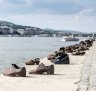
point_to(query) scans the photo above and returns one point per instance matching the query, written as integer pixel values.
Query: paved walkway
(88, 79)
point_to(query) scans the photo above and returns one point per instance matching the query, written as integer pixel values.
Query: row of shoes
(82, 47)
(61, 56)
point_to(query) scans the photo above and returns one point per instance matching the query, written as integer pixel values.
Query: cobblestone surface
(88, 78)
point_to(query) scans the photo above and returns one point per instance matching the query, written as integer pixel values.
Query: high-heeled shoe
(42, 69)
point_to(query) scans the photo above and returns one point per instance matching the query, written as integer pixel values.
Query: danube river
(20, 49)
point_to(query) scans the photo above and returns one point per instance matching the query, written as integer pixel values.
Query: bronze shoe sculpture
(32, 62)
(63, 58)
(68, 49)
(42, 69)
(15, 72)
(77, 52)
(52, 55)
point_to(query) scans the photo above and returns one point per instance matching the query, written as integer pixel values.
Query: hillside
(44, 31)
(14, 26)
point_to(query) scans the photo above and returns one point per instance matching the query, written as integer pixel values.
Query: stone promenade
(88, 78)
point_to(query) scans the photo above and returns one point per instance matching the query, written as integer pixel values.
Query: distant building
(28, 31)
(6, 29)
(37, 31)
(33, 31)
(44, 35)
(21, 31)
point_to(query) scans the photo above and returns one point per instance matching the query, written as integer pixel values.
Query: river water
(20, 49)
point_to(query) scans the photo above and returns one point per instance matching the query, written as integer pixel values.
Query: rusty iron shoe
(42, 69)
(32, 62)
(78, 53)
(15, 72)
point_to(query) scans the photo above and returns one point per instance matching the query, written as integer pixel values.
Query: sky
(78, 15)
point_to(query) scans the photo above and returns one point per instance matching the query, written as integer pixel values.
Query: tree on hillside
(15, 32)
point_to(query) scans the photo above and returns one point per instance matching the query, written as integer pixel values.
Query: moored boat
(69, 39)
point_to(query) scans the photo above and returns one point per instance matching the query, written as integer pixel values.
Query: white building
(21, 31)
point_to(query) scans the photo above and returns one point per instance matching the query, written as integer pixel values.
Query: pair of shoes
(32, 62)
(42, 69)
(62, 59)
(15, 71)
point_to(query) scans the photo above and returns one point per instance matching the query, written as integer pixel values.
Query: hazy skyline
(79, 15)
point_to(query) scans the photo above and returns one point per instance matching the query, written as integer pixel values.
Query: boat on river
(69, 38)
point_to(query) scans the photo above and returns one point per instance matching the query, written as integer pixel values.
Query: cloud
(43, 6)
(60, 22)
(46, 6)
(14, 1)
(59, 14)
(88, 12)
(59, 7)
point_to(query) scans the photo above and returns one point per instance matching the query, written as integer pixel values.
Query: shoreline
(65, 78)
